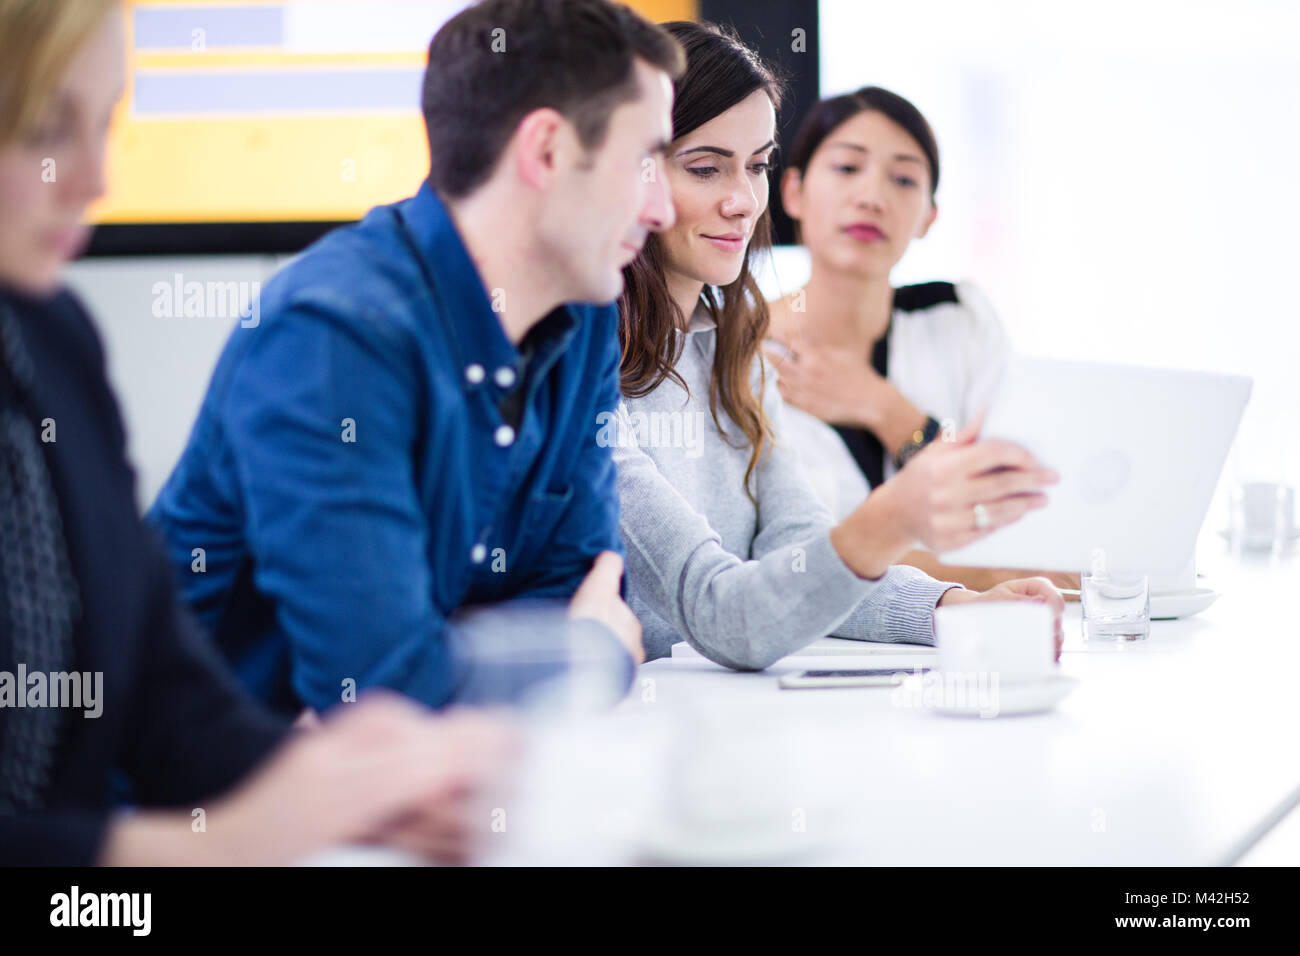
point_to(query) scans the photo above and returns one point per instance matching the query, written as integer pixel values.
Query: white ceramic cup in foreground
(1014, 639)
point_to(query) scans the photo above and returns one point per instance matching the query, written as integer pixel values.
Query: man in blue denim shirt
(410, 430)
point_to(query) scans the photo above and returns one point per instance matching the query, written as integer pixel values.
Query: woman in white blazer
(876, 372)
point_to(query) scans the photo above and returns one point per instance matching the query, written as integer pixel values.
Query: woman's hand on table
(1039, 590)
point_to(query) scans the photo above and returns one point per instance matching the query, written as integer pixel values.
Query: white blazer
(946, 351)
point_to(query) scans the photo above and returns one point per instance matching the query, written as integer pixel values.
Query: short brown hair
(499, 60)
(38, 39)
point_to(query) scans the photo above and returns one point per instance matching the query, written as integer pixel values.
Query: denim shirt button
(505, 376)
(504, 435)
(474, 373)
(478, 553)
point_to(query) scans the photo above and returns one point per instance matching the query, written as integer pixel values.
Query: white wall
(159, 366)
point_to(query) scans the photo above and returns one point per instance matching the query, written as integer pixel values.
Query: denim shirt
(350, 483)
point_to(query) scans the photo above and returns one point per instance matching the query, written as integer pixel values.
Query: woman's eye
(759, 168)
(43, 136)
(905, 181)
(846, 170)
(53, 132)
(703, 172)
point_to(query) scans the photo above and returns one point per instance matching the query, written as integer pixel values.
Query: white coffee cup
(1264, 512)
(1016, 640)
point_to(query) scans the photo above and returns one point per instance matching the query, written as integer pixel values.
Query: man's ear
(934, 214)
(792, 193)
(537, 146)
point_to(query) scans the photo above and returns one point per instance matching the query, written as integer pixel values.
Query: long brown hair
(720, 72)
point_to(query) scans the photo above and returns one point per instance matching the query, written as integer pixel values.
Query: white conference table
(1177, 750)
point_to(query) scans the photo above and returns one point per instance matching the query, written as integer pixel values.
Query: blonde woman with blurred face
(728, 547)
(86, 594)
(884, 367)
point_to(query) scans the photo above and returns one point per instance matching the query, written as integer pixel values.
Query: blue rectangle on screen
(222, 27)
(277, 91)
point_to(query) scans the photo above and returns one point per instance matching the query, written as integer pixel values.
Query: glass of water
(1116, 607)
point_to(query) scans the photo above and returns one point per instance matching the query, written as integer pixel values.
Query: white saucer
(1181, 603)
(1029, 697)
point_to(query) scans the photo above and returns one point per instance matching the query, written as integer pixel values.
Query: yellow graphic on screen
(306, 110)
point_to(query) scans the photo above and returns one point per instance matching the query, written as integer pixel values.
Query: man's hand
(597, 598)
(445, 828)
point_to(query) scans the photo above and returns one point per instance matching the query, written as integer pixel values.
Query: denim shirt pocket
(542, 513)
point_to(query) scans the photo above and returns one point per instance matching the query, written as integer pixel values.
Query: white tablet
(1139, 451)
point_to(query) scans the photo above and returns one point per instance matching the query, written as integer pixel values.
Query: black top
(173, 723)
(862, 443)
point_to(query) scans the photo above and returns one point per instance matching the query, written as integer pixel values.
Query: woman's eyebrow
(725, 153)
(904, 157)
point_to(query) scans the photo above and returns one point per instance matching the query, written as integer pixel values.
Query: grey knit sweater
(745, 585)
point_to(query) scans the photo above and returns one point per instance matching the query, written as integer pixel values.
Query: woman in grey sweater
(728, 547)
